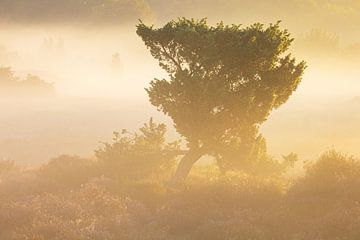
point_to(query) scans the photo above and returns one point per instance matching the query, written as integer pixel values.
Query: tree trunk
(185, 165)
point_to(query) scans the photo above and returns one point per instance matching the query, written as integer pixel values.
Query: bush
(228, 207)
(89, 213)
(67, 172)
(326, 200)
(332, 178)
(140, 155)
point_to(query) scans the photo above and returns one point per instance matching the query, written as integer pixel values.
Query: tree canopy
(224, 81)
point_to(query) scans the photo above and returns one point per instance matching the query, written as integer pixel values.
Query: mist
(119, 119)
(101, 68)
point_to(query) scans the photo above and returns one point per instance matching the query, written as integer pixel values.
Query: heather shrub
(67, 172)
(89, 213)
(208, 209)
(268, 166)
(332, 178)
(80, 199)
(325, 202)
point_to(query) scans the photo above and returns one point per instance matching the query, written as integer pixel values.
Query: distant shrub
(7, 166)
(325, 202)
(333, 177)
(67, 172)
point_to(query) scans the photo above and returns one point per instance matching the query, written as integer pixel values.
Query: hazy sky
(84, 66)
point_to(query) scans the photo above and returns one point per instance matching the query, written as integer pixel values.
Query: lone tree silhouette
(224, 81)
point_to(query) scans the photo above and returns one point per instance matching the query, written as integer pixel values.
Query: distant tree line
(31, 85)
(73, 10)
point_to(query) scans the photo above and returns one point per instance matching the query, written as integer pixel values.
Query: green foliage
(223, 81)
(139, 155)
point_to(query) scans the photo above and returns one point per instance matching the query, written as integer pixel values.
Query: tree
(7, 76)
(224, 81)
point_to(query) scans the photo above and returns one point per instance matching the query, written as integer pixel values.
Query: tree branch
(171, 58)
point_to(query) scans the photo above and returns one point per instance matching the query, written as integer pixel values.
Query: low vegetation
(123, 194)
